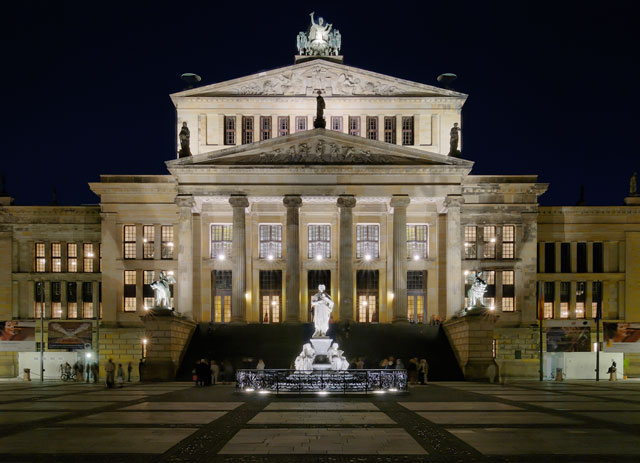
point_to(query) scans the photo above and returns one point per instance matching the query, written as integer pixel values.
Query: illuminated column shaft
(185, 255)
(454, 256)
(345, 257)
(399, 204)
(238, 249)
(293, 203)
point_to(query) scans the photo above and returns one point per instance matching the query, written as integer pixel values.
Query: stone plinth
(471, 338)
(167, 338)
(321, 346)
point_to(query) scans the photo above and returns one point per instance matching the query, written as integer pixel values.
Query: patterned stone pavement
(440, 422)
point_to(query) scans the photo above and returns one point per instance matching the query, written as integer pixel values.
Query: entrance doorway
(416, 296)
(221, 295)
(367, 295)
(270, 296)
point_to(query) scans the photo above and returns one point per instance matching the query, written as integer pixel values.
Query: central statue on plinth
(322, 306)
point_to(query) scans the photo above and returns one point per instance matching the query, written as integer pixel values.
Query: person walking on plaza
(412, 370)
(129, 368)
(423, 370)
(215, 372)
(120, 375)
(88, 371)
(110, 370)
(95, 371)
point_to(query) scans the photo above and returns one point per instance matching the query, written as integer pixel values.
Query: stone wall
(167, 340)
(471, 338)
(8, 364)
(517, 351)
(123, 345)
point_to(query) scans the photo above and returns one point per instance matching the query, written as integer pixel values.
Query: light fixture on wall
(466, 272)
(319, 257)
(222, 257)
(416, 257)
(367, 257)
(270, 257)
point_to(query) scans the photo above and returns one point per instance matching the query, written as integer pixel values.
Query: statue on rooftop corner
(633, 185)
(477, 290)
(320, 122)
(184, 136)
(322, 305)
(162, 290)
(320, 40)
(455, 139)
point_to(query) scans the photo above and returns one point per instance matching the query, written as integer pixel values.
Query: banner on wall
(569, 338)
(17, 336)
(621, 337)
(70, 335)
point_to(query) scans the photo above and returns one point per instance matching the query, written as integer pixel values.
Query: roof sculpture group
(320, 40)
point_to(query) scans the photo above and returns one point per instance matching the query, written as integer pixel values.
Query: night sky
(552, 87)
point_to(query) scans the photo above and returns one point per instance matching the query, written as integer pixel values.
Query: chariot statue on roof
(320, 40)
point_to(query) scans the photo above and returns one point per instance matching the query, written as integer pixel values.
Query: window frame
(128, 244)
(390, 130)
(340, 126)
(318, 241)
(361, 243)
(300, 126)
(411, 252)
(282, 132)
(275, 245)
(148, 242)
(248, 130)
(40, 257)
(167, 245)
(229, 130)
(408, 135)
(225, 244)
(354, 126)
(266, 127)
(372, 127)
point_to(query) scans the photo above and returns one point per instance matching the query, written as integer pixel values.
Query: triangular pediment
(335, 79)
(319, 147)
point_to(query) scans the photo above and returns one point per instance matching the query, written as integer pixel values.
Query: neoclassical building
(262, 208)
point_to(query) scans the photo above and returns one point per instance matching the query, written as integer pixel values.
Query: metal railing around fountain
(324, 382)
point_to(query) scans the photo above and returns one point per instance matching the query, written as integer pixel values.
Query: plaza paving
(461, 422)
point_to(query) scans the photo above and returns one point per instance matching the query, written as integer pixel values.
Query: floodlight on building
(222, 257)
(273, 303)
(364, 303)
(170, 244)
(145, 341)
(270, 257)
(391, 295)
(493, 240)
(319, 257)
(367, 257)
(88, 355)
(466, 272)
(416, 257)
(466, 245)
(492, 308)
(144, 240)
(145, 307)
(170, 272)
(247, 295)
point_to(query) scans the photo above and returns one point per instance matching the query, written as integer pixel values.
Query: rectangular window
(72, 300)
(72, 310)
(367, 241)
(565, 257)
(301, 123)
(336, 123)
(221, 240)
(319, 242)
(56, 257)
(598, 258)
(581, 297)
(507, 277)
(508, 291)
(390, 129)
(416, 296)
(407, 130)
(40, 261)
(270, 241)
(372, 128)
(265, 127)
(56, 310)
(148, 241)
(129, 241)
(549, 257)
(417, 242)
(270, 295)
(56, 298)
(88, 256)
(247, 130)
(564, 310)
(581, 250)
(222, 285)
(166, 232)
(508, 241)
(489, 242)
(596, 298)
(148, 300)
(72, 257)
(508, 304)
(283, 126)
(130, 278)
(367, 295)
(87, 299)
(229, 130)
(549, 295)
(470, 242)
(489, 276)
(354, 125)
(579, 309)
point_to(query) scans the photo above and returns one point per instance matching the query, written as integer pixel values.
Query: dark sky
(553, 86)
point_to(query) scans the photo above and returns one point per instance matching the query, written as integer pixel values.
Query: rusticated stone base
(471, 338)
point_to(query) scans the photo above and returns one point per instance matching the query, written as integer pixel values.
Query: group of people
(115, 376)
(418, 371)
(206, 373)
(87, 372)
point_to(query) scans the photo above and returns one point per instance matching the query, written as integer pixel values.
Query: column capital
(400, 201)
(453, 201)
(239, 201)
(346, 201)
(185, 201)
(292, 201)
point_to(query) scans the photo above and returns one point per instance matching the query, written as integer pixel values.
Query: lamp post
(598, 317)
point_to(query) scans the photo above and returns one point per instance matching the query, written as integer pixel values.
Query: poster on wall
(568, 339)
(621, 337)
(70, 335)
(17, 336)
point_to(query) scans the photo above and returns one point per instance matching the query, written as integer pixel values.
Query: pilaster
(346, 203)
(239, 203)
(185, 255)
(399, 204)
(454, 256)
(293, 203)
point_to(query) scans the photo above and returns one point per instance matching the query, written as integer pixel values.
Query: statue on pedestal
(455, 139)
(477, 290)
(338, 361)
(184, 136)
(304, 361)
(322, 306)
(162, 290)
(320, 122)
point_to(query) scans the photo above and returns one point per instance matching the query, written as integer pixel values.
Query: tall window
(270, 295)
(87, 257)
(372, 128)
(319, 242)
(283, 126)
(354, 125)
(367, 241)
(39, 298)
(87, 299)
(598, 258)
(40, 262)
(336, 123)
(265, 127)
(390, 129)
(56, 299)
(166, 232)
(470, 242)
(222, 296)
(270, 241)
(407, 130)
(56, 257)
(596, 298)
(565, 288)
(417, 241)
(221, 240)
(581, 257)
(301, 123)
(129, 241)
(130, 290)
(549, 257)
(148, 300)
(247, 129)
(549, 294)
(508, 241)
(508, 291)
(367, 295)
(489, 238)
(416, 296)
(565, 257)
(229, 130)
(72, 300)
(148, 241)
(581, 297)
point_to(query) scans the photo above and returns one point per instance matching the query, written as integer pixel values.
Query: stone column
(239, 203)
(293, 203)
(399, 204)
(111, 275)
(454, 256)
(185, 255)
(346, 203)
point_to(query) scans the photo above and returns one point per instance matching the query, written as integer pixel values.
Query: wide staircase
(278, 345)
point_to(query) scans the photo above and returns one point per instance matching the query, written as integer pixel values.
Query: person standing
(412, 370)
(423, 370)
(120, 375)
(129, 368)
(88, 371)
(260, 365)
(215, 371)
(110, 370)
(95, 371)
